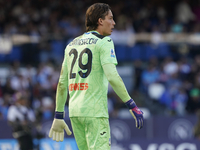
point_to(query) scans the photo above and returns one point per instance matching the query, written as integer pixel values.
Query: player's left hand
(57, 130)
(136, 113)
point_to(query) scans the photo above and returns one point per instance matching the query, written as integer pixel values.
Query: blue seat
(150, 51)
(16, 54)
(163, 50)
(57, 49)
(135, 52)
(3, 57)
(120, 51)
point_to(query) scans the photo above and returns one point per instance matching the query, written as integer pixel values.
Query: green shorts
(91, 133)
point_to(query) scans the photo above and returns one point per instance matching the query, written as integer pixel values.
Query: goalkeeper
(89, 63)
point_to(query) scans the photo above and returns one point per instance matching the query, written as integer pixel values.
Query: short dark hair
(93, 13)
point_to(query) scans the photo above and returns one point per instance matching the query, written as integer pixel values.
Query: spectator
(184, 12)
(150, 75)
(193, 104)
(5, 102)
(21, 119)
(170, 67)
(180, 102)
(177, 26)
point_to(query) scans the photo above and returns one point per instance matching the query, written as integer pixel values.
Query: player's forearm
(116, 82)
(61, 94)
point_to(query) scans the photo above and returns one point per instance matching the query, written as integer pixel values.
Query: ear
(100, 21)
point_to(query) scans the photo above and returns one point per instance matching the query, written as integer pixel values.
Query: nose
(113, 22)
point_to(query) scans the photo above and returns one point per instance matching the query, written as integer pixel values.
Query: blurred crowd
(166, 87)
(64, 19)
(37, 85)
(174, 84)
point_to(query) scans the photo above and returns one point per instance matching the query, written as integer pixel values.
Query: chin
(108, 33)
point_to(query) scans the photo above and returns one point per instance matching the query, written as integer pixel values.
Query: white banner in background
(5, 44)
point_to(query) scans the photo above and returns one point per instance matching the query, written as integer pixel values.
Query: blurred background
(157, 44)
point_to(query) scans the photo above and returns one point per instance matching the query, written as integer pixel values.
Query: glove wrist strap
(59, 115)
(130, 104)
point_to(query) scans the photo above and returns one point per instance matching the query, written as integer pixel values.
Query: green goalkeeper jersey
(87, 83)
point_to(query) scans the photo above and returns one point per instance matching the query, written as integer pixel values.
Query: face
(22, 102)
(108, 24)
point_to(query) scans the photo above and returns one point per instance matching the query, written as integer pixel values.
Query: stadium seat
(135, 52)
(163, 50)
(16, 54)
(120, 51)
(150, 51)
(57, 50)
(2, 57)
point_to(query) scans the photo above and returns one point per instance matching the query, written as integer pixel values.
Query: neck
(99, 31)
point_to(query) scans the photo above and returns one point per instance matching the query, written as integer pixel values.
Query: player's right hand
(57, 130)
(136, 113)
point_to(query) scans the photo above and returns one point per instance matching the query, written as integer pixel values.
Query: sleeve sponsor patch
(112, 53)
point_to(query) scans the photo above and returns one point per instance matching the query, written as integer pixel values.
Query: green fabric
(116, 81)
(83, 74)
(91, 133)
(61, 94)
(195, 92)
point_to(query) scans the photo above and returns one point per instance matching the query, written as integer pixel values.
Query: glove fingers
(142, 122)
(67, 130)
(50, 133)
(61, 136)
(54, 135)
(57, 136)
(136, 122)
(138, 119)
(140, 126)
(139, 123)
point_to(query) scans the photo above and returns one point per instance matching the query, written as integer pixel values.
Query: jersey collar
(93, 31)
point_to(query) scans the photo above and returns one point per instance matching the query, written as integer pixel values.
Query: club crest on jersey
(112, 53)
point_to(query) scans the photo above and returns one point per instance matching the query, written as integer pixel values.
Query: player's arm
(62, 87)
(120, 89)
(59, 125)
